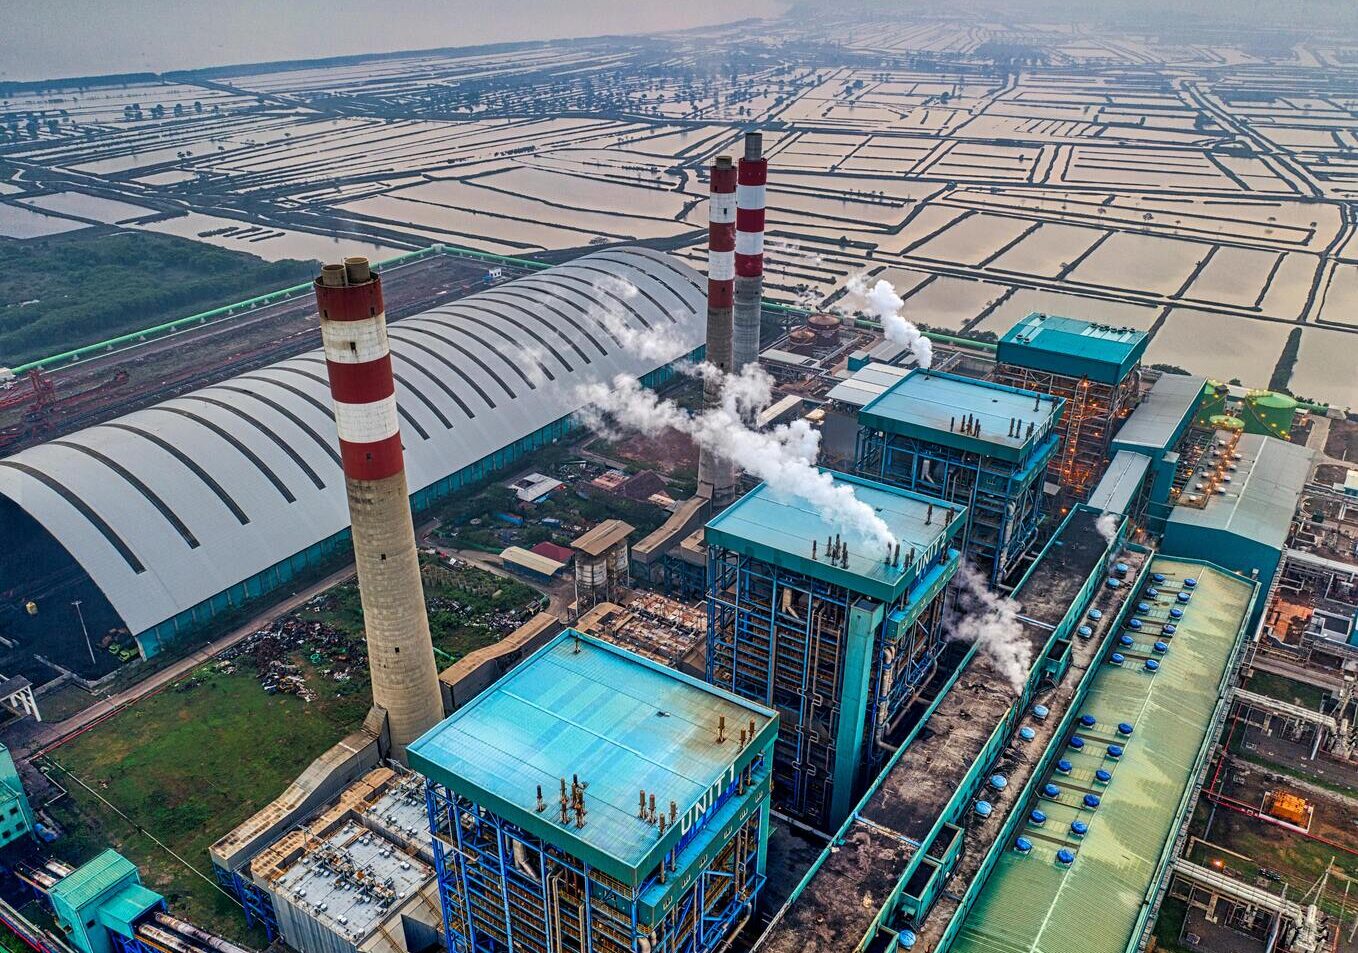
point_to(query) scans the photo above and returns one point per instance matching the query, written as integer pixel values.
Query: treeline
(66, 291)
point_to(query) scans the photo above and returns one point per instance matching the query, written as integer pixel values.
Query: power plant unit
(834, 634)
(1094, 367)
(592, 801)
(982, 445)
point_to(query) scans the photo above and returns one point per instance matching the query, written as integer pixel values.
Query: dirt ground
(669, 453)
(1343, 440)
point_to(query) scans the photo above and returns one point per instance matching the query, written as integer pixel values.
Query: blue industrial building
(1094, 368)
(834, 634)
(981, 445)
(168, 517)
(592, 801)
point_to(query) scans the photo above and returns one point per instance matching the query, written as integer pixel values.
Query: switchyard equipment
(898, 866)
(982, 445)
(837, 635)
(1094, 367)
(592, 801)
(193, 507)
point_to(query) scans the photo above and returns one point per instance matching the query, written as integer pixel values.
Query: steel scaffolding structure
(504, 890)
(838, 665)
(1094, 411)
(1003, 498)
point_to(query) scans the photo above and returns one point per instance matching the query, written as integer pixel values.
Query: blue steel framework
(254, 901)
(155, 639)
(838, 667)
(503, 890)
(1003, 498)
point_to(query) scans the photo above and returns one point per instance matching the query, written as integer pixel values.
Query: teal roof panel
(1260, 502)
(1076, 348)
(932, 406)
(580, 707)
(91, 880)
(766, 525)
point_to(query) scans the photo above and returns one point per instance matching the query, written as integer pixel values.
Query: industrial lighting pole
(88, 646)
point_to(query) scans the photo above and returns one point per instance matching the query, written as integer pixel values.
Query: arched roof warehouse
(166, 507)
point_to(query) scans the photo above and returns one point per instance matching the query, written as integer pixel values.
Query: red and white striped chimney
(751, 176)
(716, 475)
(358, 363)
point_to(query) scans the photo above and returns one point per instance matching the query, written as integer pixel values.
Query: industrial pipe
(194, 933)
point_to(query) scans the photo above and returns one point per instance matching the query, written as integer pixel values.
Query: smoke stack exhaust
(358, 363)
(717, 475)
(751, 176)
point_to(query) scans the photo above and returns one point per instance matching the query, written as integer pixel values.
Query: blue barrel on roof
(1065, 857)
(1023, 845)
(1134, 625)
(1121, 569)
(1185, 596)
(1077, 743)
(1079, 828)
(1152, 665)
(1102, 776)
(1051, 790)
(1161, 647)
(1084, 632)
(1170, 628)
(1124, 727)
(1176, 613)
(1158, 577)
(999, 782)
(1089, 721)
(1115, 751)
(1027, 734)
(1114, 583)
(1126, 640)
(983, 809)
(1040, 712)
(1064, 766)
(1091, 800)
(1037, 817)
(1143, 607)
(1152, 592)
(1096, 614)
(1117, 658)
(1190, 582)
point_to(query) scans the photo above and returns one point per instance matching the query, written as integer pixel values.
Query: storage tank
(1269, 413)
(801, 340)
(1213, 402)
(826, 327)
(1226, 422)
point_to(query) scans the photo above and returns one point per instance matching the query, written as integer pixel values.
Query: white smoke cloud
(990, 620)
(784, 457)
(533, 358)
(651, 344)
(790, 250)
(882, 301)
(1107, 525)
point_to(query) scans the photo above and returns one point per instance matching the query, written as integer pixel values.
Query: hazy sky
(53, 38)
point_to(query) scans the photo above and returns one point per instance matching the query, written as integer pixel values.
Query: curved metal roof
(170, 505)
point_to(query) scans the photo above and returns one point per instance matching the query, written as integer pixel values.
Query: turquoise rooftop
(581, 707)
(931, 406)
(765, 525)
(1047, 342)
(93, 879)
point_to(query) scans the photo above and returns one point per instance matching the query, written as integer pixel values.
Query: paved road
(50, 733)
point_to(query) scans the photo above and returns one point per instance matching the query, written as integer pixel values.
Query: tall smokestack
(717, 475)
(358, 361)
(751, 175)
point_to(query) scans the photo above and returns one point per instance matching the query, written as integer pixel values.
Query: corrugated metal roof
(597, 540)
(531, 561)
(171, 505)
(767, 526)
(932, 406)
(582, 708)
(1120, 483)
(1261, 499)
(1070, 346)
(93, 878)
(1161, 419)
(867, 384)
(1031, 904)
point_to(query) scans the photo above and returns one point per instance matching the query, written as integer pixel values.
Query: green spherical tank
(1227, 422)
(1270, 414)
(1213, 403)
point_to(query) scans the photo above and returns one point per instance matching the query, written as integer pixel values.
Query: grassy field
(1286, 689)
(163, 780)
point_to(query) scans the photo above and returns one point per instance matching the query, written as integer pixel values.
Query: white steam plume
(990, 620)
(651, 344)
(882, 301)
(783, 457)
(1107, 525)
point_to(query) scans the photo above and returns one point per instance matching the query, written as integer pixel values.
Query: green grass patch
(1286, 689)
(79, 288)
